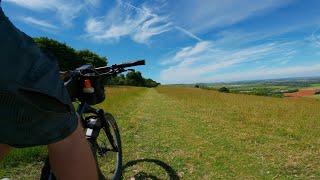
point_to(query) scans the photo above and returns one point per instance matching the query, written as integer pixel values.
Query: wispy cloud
(199, 16)
(94, 3)
(267, 73)
(188, 33)
(36, 5)
(285, 61)
(65, 11)
(261, 67)
(191, 53)
(39, 23)
(315, 37)
(206, 58)
(126, 20)
(138, 23)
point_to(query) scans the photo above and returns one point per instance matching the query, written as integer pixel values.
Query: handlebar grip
(140, 62)
(130, 64)
(122, 65)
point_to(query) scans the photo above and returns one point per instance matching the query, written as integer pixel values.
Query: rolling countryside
(190, 133)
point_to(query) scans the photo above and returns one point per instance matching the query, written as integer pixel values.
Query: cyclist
(36, 108)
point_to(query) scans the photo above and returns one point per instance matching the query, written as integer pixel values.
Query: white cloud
(268, 73)
(125, 20)
(202, 50)
(94, 26)
(285, 61)
(261, 67)
(188, 33)
(315, 37)
(149, 28)
(65, 11)
(256, 74)
(190, 51)
(205, 59)
(94, 3)
(39, 23)
(36, 5)
(199, 16)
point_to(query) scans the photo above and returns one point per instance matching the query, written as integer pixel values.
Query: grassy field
(312, 87)
(317, 96)
(250, 86)
(190, 133)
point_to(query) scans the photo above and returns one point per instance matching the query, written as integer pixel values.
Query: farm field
(302, 93)
(313, 87)
(293, 88)
(189, 133)
(317, 96)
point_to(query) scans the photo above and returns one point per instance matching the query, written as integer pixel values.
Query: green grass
(312, 87)
(249, 86)
(199, 134)
(317, 96)
(23, 163)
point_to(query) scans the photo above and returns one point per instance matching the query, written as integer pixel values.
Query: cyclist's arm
(4, 149)
(71, 158)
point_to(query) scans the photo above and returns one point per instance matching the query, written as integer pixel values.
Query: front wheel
(109, 150)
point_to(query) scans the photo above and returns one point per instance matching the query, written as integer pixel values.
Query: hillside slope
(177, 132)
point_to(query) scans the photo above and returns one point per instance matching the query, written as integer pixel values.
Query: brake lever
(121, 71)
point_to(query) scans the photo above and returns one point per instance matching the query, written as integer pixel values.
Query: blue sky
(185, 41)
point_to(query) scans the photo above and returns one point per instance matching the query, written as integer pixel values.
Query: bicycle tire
(109, 162)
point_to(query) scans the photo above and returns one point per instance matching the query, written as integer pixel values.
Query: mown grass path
(189, 133)
(205, 135)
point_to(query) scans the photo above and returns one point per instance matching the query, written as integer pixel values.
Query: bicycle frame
(93, 129)
(92, 133)
(94, 123)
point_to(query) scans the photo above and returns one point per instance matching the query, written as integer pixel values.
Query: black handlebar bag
(95, 94)
(75, 83)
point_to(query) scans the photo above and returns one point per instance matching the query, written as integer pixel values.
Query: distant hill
(295, 81)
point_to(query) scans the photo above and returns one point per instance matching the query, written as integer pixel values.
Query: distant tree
(67, 57)
(292, 90)
(317, 92)
(224, 89)
(197, 86)
(135, 79)
(119, 80)
(87, 57)
(151, 83)
(132, 79)
(113, 81)
(122, 80)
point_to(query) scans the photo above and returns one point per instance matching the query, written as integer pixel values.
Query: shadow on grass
(143, 175)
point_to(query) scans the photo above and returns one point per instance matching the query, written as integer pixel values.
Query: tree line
(132, 79)
(250, 91)
(68, 59)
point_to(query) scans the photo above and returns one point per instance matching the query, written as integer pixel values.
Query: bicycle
(100, 127)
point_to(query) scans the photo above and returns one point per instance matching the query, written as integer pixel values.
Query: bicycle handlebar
(74, 79)
(121, 66)
(102, 71)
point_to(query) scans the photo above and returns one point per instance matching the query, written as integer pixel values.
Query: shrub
(224, 89)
